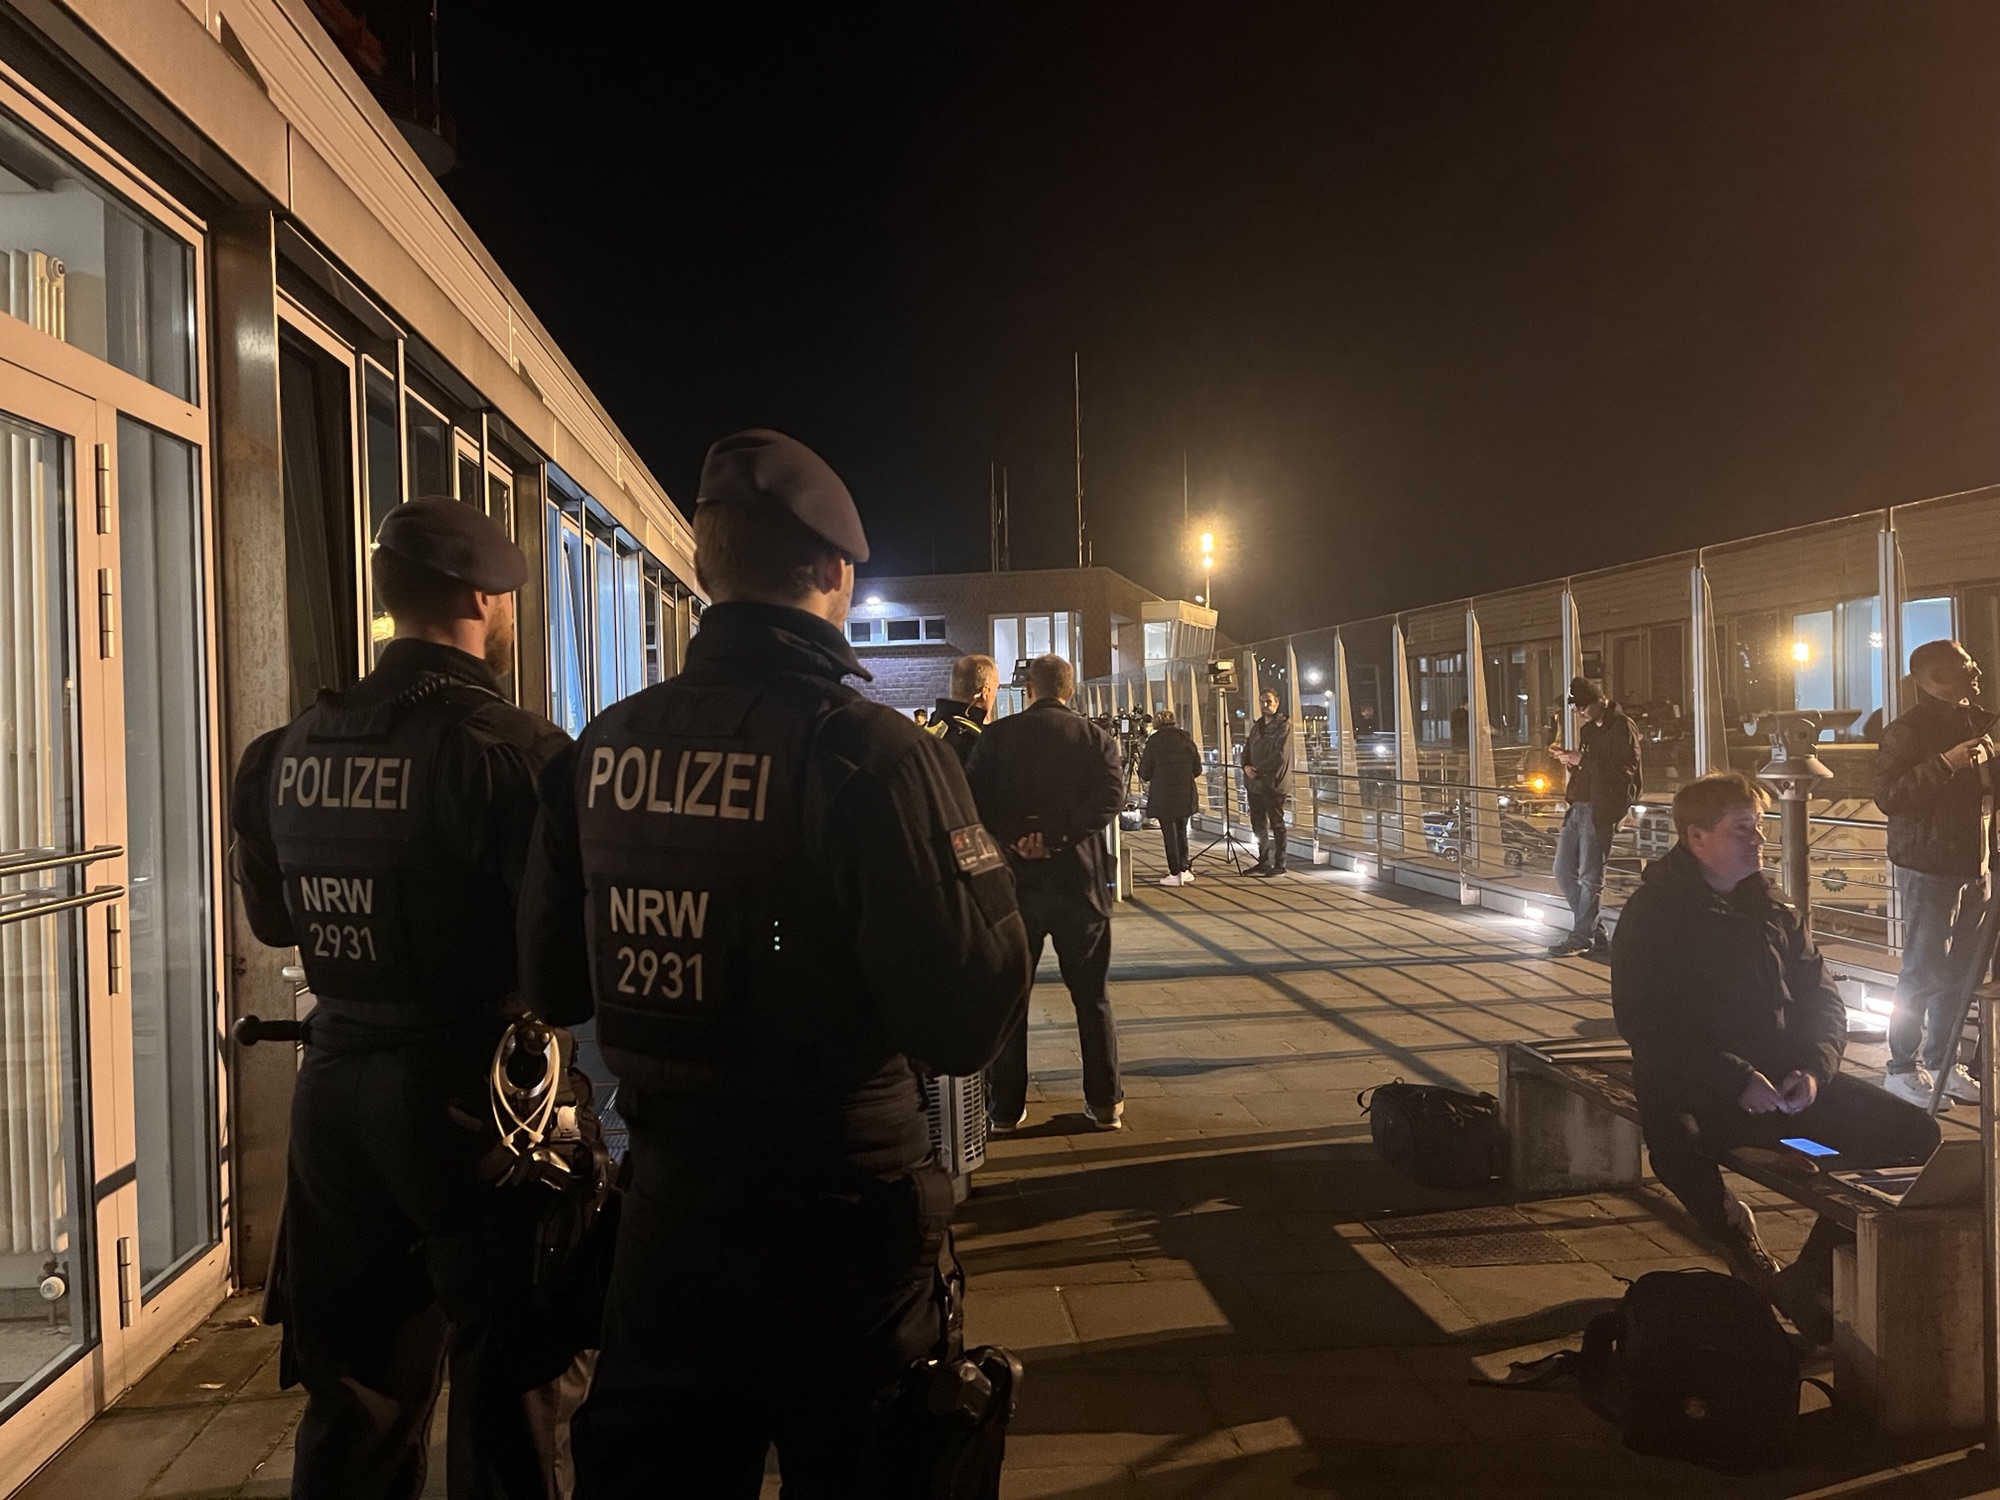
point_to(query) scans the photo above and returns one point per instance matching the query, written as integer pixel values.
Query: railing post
(1572, 647)
(1889, 584)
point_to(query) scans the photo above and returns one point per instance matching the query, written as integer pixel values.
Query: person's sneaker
(1600, 947)
(1959, 1084)
(1114, 1121)
(1260, 872)
(1187, 877)
(1569, 947)
(1743, 1248)
(1172, 880)
(997, 1126)
(1915, 1087)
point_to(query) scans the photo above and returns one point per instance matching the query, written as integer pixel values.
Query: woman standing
(1170, 767)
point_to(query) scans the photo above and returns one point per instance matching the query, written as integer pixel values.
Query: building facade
(242, 323)
(908, 631)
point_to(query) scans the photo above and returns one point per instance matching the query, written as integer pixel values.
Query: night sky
(1436, 299)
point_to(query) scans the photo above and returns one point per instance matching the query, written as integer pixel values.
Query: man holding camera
(1603, 782)
(1934, 783)
(1267, 780)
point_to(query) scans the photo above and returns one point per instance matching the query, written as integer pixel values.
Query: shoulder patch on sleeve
(974, 850)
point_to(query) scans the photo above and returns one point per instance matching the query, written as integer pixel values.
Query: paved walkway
(1209, 1302)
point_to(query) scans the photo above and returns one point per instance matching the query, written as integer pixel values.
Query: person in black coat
(1170, 766)
(1934, 783)
(1047, 782)
(1603, 784)
(1267, 781)
(1737, 1034)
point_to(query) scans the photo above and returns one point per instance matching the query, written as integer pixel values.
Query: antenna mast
(1076, 391)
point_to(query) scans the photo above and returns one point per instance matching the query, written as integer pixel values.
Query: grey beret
(454, 539)
(761, 467)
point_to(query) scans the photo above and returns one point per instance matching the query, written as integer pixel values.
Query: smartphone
(1807, 1147)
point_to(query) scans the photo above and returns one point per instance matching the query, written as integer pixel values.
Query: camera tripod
(1227, 838)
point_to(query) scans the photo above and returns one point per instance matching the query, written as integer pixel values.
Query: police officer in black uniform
(383, 834)
(961, 718)
(764, 876)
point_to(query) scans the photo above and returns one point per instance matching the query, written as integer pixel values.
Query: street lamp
(1208, 568)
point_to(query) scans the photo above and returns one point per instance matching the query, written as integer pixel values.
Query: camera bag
(1440, 1137)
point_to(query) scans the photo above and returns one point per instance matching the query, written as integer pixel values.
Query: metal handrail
(27, 862)
(52, 904)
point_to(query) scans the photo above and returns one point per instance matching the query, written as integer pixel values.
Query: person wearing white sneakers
(1170, 766)
(1934, 783)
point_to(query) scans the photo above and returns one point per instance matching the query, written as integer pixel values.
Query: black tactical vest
(383, 910)
(720, 964)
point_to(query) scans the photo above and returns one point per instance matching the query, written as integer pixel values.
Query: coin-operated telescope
(1792, 772)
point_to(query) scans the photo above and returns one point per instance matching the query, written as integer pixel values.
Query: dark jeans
(1174, 834)
(1868, 1127)
(1082, 937)
(1580, 851)
(397, 1257)
(1267, 822)
(1947, 941)
(748, 1310)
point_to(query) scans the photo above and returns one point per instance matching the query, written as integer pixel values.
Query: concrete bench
(1907, 1319)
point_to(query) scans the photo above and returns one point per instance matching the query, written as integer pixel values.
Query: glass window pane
(430, 451)
(43, 1173)
(1925, 620)
(82, 267)
(901, 631)
(631, 625)
(1812, 660)
(315, 414)
(934, 629)
(568, 702)
(1006, 645)
(167, 844)
(1035, 634)
(1061, 643)
(500, 502)
(383, 458)
(604, 623)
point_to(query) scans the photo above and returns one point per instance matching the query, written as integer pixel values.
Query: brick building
(909, 630)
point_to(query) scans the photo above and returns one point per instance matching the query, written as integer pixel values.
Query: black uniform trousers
(1267, 823)
(396, 1256)
(1082, 936)
(757, 1307)
(1864, 1124)
(1174, 835)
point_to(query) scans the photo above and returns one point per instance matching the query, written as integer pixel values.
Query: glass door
(62, 890)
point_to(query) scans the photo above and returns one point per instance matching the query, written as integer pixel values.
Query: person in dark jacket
(1603, 782)
(1934, 782)
(1170, 765)
(395, 873)
(1267, 781)
(783, 903)
(1047, 782)
(1737, 1035)
(960, 719)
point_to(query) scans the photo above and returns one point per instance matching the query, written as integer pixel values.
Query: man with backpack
(1603, 784)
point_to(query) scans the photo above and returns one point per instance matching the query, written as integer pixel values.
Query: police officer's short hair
(1051, 677)
(412, 592)
(1707, 800)
(969, 674)
(753, 551)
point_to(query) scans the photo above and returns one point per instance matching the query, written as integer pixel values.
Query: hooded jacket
(1934, 813)
(1708, 987)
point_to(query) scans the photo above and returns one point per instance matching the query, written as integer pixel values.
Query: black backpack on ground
(1690, 1365)
(1442, 1138)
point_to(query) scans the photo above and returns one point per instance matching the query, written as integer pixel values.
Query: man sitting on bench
(1736, 1036)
